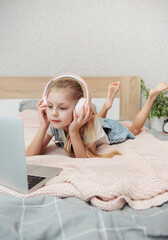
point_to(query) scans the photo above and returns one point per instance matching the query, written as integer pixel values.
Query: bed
(120, 198)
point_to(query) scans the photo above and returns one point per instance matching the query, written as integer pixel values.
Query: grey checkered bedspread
(49, 218)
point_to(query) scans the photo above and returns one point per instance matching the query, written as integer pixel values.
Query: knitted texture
(138, 177)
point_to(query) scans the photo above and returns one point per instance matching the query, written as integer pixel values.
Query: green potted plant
(159, 109)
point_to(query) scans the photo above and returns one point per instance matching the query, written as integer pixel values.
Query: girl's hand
(41, 107)
(79, 121)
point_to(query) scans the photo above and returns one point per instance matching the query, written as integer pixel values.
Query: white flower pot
(157, 123)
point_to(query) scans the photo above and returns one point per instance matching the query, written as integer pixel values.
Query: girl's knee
(134, 130)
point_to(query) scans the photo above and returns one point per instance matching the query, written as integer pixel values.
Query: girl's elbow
(81, 156)
(28, 154)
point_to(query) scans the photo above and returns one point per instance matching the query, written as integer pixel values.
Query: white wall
(87, 37)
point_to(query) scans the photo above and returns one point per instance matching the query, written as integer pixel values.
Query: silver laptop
(14, 173)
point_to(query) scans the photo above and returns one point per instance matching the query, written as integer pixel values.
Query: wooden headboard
(32, 88)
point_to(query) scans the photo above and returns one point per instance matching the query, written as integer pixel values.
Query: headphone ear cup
(79, 105)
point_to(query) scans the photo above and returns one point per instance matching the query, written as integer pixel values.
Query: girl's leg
(143, 114)
(113, 89)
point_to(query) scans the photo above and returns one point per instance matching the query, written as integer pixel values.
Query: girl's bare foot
(113, 89)
(160, 88)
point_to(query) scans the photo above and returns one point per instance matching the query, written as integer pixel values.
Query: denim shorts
(115, 131)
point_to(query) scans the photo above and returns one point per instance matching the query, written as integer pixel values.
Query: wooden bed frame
(32, 88)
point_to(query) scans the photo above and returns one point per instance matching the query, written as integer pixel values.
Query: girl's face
(60, 108)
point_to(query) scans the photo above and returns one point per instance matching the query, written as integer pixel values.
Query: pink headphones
(83, 101)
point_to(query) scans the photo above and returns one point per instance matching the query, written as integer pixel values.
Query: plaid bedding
(51, 218)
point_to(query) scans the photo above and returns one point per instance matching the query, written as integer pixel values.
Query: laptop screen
(12, 154)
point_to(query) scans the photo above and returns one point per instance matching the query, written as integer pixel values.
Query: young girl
(81, 135)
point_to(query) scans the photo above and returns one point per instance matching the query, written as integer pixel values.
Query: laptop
(14, 172)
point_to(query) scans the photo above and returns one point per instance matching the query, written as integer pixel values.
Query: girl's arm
(74, 127)
(78, 146)
(41, 139)
(39, 143)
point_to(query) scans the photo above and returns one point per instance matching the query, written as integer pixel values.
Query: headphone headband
(69, 75)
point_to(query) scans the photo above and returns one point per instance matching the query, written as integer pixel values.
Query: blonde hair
(87, 131)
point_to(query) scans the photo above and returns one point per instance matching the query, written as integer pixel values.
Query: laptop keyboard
(34, 180)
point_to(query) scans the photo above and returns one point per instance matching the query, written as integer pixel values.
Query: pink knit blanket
(138, 177)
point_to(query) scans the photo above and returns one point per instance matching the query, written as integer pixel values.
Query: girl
(80, 135)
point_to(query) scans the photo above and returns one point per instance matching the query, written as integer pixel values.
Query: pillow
(28, 104)
(30, 118)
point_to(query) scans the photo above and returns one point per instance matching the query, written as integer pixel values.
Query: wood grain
(32, 88)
